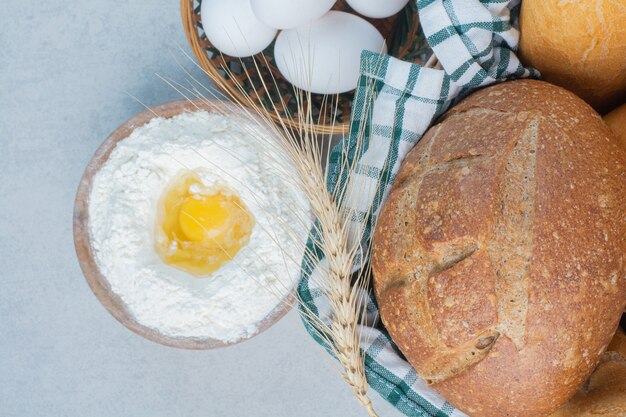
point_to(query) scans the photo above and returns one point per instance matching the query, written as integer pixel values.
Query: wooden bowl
(82, 239)
(405, 40)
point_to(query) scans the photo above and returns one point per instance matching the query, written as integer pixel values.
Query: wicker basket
(405, 40)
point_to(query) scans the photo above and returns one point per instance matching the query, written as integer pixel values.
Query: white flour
(228, 304)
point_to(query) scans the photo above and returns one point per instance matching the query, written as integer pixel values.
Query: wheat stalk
(336, 236)
(302, 144)
(334, 239)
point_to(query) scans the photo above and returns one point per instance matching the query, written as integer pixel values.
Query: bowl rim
(82, 237)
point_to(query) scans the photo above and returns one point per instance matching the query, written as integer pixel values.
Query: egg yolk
(200, 228)
(202, 217)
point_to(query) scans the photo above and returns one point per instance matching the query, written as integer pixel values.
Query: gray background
(65, 70)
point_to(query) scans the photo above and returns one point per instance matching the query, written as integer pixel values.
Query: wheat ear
(302, 143)
(335, 237)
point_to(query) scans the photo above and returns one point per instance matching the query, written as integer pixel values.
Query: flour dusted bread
(499, 258)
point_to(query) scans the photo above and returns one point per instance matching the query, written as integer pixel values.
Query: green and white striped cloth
(474, 41)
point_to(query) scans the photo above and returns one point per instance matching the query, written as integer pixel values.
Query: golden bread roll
(579, 45)
(617, 122)
(606, 393)
(499, 257)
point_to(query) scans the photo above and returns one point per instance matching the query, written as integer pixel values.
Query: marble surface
(67, 73)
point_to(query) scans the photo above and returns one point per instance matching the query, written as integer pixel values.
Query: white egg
(324, 56)
(232, 27)
(377, 9)
(287, 14)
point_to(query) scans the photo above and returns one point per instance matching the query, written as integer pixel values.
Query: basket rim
(190, 23)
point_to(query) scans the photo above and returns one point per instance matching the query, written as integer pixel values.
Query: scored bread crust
(499, 257)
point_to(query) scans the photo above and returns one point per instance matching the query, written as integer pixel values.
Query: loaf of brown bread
(579, 45)
(604, 395)
(499, 257)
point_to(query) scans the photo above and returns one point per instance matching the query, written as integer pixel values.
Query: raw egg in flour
(199, 227)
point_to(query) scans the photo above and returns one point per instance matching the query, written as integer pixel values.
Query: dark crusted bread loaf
(499, 258)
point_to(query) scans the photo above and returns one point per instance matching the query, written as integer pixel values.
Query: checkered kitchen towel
(473, 40)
